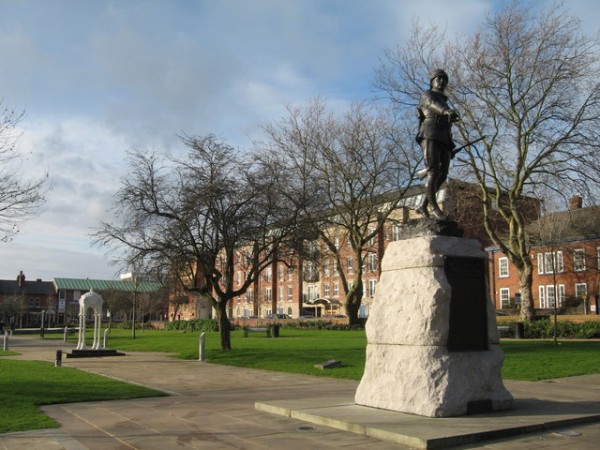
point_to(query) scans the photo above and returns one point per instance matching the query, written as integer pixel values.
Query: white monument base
(421, 357)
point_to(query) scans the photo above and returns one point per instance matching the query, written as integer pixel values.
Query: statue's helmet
(438, 73)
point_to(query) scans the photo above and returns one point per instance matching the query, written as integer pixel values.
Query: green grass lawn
(298, 351)
(28, 384)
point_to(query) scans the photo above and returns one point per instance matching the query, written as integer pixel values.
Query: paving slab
(214, 407)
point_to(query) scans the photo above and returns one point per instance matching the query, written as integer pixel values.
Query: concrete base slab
(527, 416)
(89, 353)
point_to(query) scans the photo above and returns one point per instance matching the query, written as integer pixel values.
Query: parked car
(277, 316)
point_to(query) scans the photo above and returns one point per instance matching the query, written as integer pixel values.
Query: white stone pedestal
(409, 367)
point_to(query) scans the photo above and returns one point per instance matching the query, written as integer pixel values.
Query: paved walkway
(214, 407)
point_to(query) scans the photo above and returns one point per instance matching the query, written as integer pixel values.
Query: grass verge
(28, 384)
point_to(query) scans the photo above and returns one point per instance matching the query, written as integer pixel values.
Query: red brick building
(312, 286)
(565, 254)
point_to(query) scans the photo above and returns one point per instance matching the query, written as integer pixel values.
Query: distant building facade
(565, 253)
(312, 286)
(24, 302)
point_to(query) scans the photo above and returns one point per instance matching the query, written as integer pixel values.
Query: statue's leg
(96, 332)
(429, 160)
(81, 340)
(436, 159)
(444, 164)
(98, 324)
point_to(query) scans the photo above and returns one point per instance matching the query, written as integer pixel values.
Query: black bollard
(58, 361)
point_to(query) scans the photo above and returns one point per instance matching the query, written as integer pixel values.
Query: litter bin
(519, 330)
(275, 331)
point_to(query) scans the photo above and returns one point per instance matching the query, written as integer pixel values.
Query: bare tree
(204, 215)
(19, 198)
(530, 84)
(346, 173)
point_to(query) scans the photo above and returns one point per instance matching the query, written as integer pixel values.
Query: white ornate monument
(433, 346)
(94, 301)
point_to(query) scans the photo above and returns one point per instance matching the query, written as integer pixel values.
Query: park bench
(505, 330)
(271, 330)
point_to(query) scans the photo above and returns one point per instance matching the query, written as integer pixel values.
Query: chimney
(576, 202)
(21, 279)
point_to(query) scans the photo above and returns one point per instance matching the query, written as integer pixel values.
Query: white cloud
(99, 78)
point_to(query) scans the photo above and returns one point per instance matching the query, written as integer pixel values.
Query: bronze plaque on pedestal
(468, 318)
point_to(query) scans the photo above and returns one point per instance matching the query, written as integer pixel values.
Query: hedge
(193, 325)
(544, 329)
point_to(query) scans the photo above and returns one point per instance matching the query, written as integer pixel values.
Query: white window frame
(503, 267)
(548, 296)
(371, 287)
(504, 297)
(396, 230)
(542, 296)
(579, 260)
(350, 265)
(553, 262)
(579, 292)
(326, 268)
(372, 262)
(540, 263)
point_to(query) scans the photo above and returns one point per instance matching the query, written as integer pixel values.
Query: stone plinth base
(433, 347)
(432, 382)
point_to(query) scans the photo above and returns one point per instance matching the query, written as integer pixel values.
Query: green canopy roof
(85, 284)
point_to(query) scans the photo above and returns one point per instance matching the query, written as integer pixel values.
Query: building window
(336, 289)
(396, 229)
(313, 293)
(350, 265)
(553, 262)
(550, 296)
(371, 288)
(372, 262)
(578, 260)
(326, 290)
(326, 267)
(580, 290)
(503, 267)
(505, 298)
(374, 238)
(290, 295)
(540, 263)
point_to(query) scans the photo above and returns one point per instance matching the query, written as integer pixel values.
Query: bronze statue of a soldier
(435, 138)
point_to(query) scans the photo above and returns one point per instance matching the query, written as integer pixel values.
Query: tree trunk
(353, 301)
(525, 283)
(224, 325)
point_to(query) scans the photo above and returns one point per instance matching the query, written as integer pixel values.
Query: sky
(99, 78)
